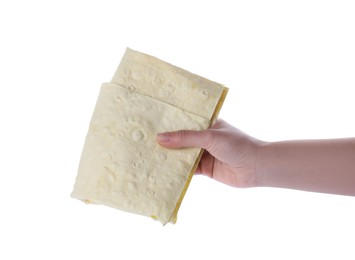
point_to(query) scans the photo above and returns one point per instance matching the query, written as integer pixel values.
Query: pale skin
(239, 160)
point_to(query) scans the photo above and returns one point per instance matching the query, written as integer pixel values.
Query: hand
(230, 155)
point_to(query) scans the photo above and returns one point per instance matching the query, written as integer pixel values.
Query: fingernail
(163, 137)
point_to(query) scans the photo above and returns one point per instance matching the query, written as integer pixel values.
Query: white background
(290, 69)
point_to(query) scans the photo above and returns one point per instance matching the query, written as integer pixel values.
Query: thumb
(182, 139)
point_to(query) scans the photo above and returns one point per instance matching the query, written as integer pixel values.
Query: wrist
(263, 157)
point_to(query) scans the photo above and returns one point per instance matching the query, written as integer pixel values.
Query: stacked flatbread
(122, 165)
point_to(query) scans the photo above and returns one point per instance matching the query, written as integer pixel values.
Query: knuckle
(182, 135)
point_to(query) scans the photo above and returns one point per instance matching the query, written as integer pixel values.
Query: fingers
(206, 165)
(190, 138)
(183, 139)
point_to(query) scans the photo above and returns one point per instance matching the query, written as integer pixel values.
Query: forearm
(313, 165)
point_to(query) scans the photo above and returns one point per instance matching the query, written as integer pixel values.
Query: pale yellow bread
(122, 166)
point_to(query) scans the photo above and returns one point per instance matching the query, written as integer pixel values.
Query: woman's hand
(230, 155)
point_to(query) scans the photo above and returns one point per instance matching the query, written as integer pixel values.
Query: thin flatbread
(122, 166)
